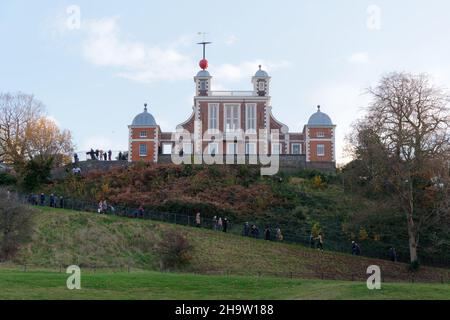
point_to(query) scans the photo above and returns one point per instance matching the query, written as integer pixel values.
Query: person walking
(105, 156)
(278, 234)
(320, 242)
(52, 201)
(225, 225)
(255, 231)
(358, 250)
(42, 199)
(104, 207)
(109, 155)
(100, 207)
(219, 224)
(267, 233)
(246, 231)
(198, 220)
(312, 241)
(353, 248)
(120, 156)
(393, 254)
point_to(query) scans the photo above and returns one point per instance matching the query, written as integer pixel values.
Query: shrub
(16, 224)
(317, 182)
(316, 229)
(174, 250)
(7, 179)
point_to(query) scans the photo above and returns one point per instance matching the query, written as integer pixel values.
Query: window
(250, 116)
(320, 150)
(320, 134)
(203, 85)
(187, 148)
(232, 117)
(250, 148)
(261, 86)
(213, 116)
(276, 148)
(143, 134)
(142, 150)
(167, 148)
(231, 148)
(296, 148)
(213, 148)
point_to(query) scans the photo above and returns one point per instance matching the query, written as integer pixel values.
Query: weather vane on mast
(204, 63)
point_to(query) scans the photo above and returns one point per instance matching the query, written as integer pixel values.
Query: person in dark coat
(393, 254)
(246, 231)
(254, 231)
(225, 225)
(120, 156)
(312, 241)
(42, 199)
(354, 248)
(267, 233)
(109, 155)
(52, 201)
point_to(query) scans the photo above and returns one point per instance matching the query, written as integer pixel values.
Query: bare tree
(406, 138)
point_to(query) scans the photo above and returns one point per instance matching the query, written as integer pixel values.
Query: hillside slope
(68, 237)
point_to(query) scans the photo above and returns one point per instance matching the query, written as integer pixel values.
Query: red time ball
(203, 64)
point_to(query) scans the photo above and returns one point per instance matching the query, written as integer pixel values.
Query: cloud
(237, 72)
(231, 40)
(105, 46)
(359, 58)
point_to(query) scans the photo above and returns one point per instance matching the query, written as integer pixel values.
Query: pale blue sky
(94, 79)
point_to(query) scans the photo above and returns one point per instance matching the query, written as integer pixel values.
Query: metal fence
(386, 277)
(371, 251)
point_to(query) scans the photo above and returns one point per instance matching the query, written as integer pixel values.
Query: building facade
(233, 123)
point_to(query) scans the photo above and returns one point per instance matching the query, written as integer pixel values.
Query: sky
(95, 63)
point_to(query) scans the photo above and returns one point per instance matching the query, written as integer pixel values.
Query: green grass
(86, 239)
(160, 286)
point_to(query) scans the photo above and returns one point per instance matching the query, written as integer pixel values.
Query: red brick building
(232, 122)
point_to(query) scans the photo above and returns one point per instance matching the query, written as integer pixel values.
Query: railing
(232, 227)
(233, 93)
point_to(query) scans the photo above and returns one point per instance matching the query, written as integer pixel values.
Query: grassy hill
(64, 237)
(295, 202)
(153, 285)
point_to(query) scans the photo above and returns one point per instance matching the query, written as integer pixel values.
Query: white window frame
(320, 146)
(167, 145)
(274, 145)
(143, 134)
(212, 146)
(232, 145)
(236, 121)
(299, 148)
(247, 148)
(187, 148)
(251, 117)
(213, 116)
(142, 154)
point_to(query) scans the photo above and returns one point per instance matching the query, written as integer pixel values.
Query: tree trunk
(412, 240)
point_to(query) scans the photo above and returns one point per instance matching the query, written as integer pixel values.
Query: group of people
(97, 155)
(41, 200)
(253, 231)
(103, 207)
